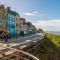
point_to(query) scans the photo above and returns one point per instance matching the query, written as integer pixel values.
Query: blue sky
(42, 13)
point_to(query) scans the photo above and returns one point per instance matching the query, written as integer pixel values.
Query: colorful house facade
(11, 22)
(3, 17)
(23, 26)
(18, 25)
(11, 25)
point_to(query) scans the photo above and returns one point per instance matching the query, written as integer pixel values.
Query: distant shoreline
(54, 32)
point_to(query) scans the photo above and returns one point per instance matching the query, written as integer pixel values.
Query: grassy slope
(55, 39)
(49, 49)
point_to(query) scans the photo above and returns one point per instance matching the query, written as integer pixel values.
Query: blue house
(11, 25)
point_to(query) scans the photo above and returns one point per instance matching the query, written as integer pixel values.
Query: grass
(54, 38)
(49, 48)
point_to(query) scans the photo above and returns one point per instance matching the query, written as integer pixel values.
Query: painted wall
(11, 25)
(18, 25)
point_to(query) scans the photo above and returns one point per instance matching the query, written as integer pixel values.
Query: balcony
(15, 54)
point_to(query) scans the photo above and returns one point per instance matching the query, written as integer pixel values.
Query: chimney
(8, 9)
(1, 6)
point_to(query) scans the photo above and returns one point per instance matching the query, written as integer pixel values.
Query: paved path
(27, 38)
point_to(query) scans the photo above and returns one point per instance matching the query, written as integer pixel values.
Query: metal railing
(15, 54)
(27, 56)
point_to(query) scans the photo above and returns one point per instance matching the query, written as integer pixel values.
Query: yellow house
(3, 17)
(18, 25)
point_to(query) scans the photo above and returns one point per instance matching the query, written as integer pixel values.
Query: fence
(15, 54)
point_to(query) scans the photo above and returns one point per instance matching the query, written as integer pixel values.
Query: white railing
(27, 56)
(15, 54)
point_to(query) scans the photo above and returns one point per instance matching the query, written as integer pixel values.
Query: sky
(43, 14)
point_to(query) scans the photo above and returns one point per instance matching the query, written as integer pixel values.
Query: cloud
(53, 25)
(36, 12)
(29, 14)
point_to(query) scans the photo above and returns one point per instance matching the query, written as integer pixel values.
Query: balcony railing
(15, 54)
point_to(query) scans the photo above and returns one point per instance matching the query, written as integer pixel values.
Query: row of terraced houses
(12, 23)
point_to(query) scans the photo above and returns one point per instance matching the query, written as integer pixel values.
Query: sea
(54, 32)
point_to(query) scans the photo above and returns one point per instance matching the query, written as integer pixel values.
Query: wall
(3, 17)
(11, 25)
(18, 25)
